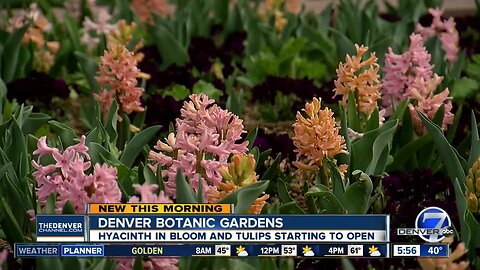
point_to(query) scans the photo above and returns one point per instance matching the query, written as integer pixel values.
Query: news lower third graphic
(380, 250)
(432, 225)
(161, 230)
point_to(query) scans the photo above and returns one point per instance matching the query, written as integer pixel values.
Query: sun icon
(306, 249)
(373, 251)
(240, 249)
(308, 252)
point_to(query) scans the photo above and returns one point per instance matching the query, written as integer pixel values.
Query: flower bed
(343, 112)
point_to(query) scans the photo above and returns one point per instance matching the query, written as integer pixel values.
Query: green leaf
(66, 133)
(454, 169)
(9, 223)
(112, 120)
(71, 263)
(123, 12)
(207, 89)
(352, 113)
(134, 146)
(457, 68)
(171, 51)
(3, 93)
(273, 169)
(89, 68)
(98, 154)
(344, 159)
(406, 152)
(291, 48)
(10, 54)
(373, 121)
(283, 192)
(356, 198)
(475, 143)
(49, 263)
(178, 92)
(73, 32)
(439, 114)
(291, 208)
(235, 101)
(453, 128)
(369, 151)
(345, 45)
(17, 151)
(251, 137)
(150, 177)
(338, 185)
(68, 208)
(244, 197)
(326, 202)
(185, 192)
(34, 122)
(347, 264)
(138, 264)
(399, 110)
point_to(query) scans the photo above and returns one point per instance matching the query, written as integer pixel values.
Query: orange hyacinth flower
(316, 137)
(239, 173)
(118, 75)
(360, 77)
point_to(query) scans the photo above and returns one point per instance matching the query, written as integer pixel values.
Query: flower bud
(469, 182)
(472, 202)
(477, 187)
(241, 170)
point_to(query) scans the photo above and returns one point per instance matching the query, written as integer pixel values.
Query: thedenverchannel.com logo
(432, 225)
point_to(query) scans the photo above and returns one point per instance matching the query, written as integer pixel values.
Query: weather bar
(380, 250)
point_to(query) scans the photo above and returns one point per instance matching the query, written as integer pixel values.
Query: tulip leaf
(34, 122)
(373, 121)
(454, 169)
(251, 137)
(338, 185)
(49, 263)
(66, 133)
(291, 208)
(138, 263)
(326, 202)
(273, 169)
(475, 143)
(283, 191)
(135, 145)
(352, 113)
(10, 54)
(406, 152)
(9, 223)
(185, 192)
(111, 126)
(244, 197)
(439, 114)
(89, 68)
(370, 152)
(170, 49)
(356, 198)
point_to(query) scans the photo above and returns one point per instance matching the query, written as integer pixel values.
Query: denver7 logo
(437, 220)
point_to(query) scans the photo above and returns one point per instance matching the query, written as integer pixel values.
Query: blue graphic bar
(380, 250)
(434, 250)
(211, 222)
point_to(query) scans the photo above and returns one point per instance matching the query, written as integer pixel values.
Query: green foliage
(469, 226)
(289, 61)
(9, 54)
